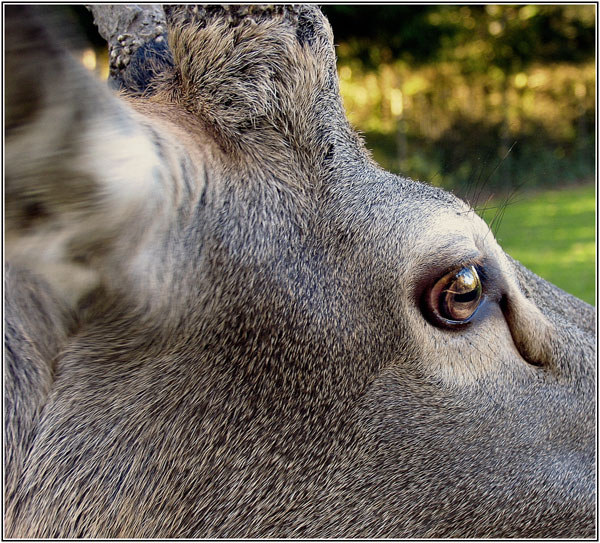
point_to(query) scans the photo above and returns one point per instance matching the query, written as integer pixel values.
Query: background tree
(444, 92)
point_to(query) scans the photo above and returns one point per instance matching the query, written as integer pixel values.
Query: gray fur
(213, 318)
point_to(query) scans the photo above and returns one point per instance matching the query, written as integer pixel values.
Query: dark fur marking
(147, 64)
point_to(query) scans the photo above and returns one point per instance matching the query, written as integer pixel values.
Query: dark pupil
(467, 297)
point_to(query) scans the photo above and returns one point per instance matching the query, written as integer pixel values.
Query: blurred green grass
(552, 232)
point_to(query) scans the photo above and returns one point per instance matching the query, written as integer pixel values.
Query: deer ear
(248, 70)
(78, 163)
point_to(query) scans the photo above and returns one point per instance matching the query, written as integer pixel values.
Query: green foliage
(377, 33)
(552, 233)
(442, 93)
(506, 36)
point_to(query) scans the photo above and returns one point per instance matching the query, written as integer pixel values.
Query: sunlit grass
(553, 234)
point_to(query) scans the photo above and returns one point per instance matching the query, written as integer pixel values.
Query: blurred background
(493, 102)
(444, 92)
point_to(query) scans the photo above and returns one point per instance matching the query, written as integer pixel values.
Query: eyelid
(448, 253)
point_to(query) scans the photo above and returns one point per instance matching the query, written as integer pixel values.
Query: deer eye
(455, 297)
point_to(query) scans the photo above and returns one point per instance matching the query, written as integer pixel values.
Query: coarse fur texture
(214, 313)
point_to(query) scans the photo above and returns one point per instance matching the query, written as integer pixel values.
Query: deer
(224, 319)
